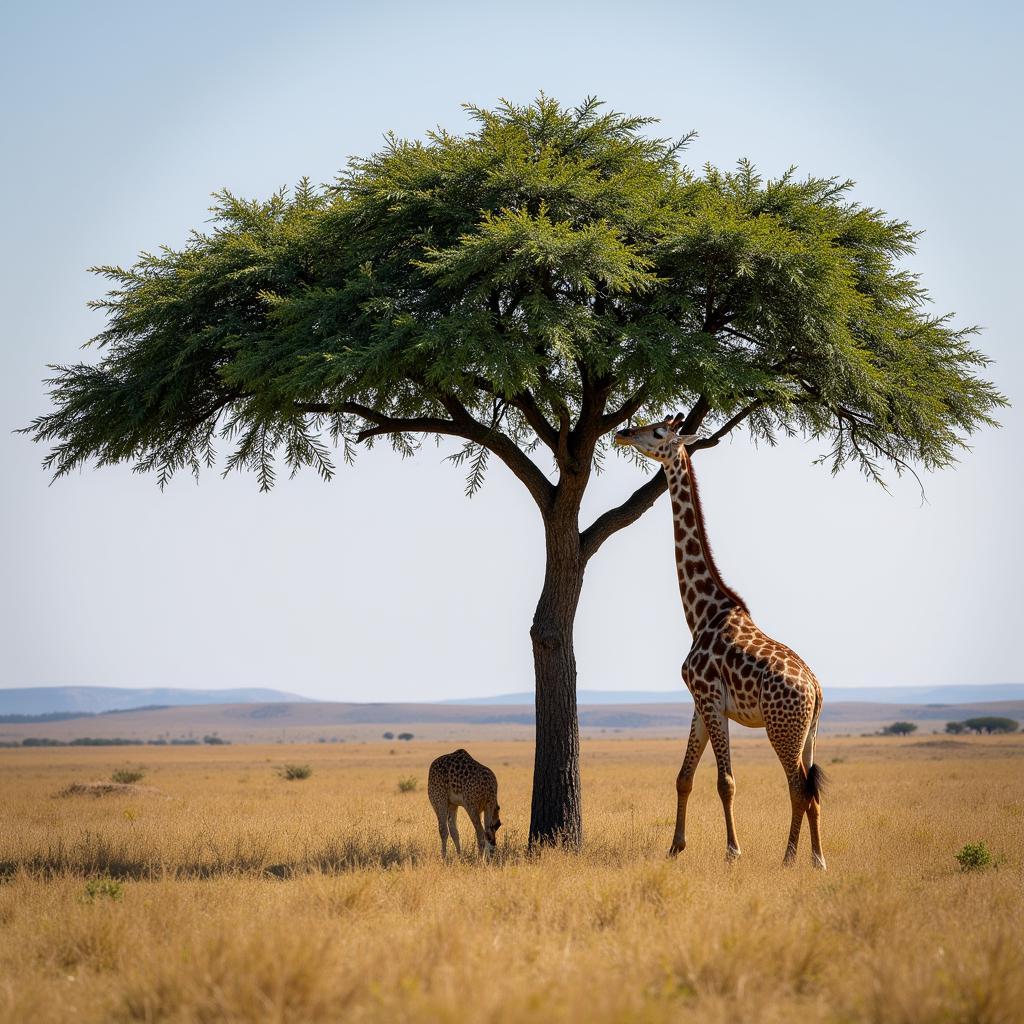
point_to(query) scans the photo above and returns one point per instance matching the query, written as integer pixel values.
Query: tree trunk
(556, 812)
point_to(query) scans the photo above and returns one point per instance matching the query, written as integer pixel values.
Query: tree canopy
(529, 284)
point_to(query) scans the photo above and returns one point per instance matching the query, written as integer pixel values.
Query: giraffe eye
(659, 432)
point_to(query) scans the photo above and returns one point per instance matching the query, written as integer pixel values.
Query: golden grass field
(245, 897)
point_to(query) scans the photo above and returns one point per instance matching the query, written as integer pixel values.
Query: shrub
(899, 729)
(991, 723)
(127, 775)
(408, 784)
(389, 735)
(974, 857)
(294, 771)
(405, 735)
(956, 728)
(102, 888)
(214, 740)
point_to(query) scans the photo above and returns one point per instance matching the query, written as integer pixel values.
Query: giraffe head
(659, 440)
(492, 822)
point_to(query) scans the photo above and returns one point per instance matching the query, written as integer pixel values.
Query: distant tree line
(987, 724)
(64, 716)
(113, 741)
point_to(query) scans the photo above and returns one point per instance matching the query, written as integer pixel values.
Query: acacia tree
(526, 288)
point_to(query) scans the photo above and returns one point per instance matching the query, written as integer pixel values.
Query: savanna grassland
(216, 890)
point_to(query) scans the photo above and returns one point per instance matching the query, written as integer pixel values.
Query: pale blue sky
(120, 118)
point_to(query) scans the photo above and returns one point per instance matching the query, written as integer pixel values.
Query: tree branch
(625, 411)
(461, 424)
(505, 448)
(727, 427)
(382, 424)
(623, 515)
(527, 405)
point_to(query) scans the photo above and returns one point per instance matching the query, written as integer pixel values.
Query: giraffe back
(459, 779)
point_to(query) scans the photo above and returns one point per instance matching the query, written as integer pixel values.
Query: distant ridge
(955, 694)
(41, 700)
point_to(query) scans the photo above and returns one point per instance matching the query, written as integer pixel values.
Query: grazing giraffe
(458, 780)
(733, 670)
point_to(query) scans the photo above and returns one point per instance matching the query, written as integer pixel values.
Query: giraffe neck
(705, 594)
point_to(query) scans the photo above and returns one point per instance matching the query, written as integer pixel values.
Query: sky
(119, 120)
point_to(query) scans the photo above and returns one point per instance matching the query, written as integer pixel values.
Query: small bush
(405, 735)
(126, 776)
(408, 784)
(294, 771)
(974, 857)
(389, 735)
(900, 729)
(102, 889)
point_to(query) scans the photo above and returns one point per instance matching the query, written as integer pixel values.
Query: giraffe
(733, 670)
(458, 780)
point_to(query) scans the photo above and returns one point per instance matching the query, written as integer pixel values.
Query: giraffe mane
(709, 556)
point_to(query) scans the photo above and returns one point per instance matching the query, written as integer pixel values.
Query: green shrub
(899, 729)
(127, 775)
(102, 888)
(974, 857)
(294, 771)
(408, 784)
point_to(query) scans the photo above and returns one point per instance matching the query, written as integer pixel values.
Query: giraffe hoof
(676, 849)
(732, 854)
(819, 863)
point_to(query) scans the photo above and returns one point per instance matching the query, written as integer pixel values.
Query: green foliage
(956, 728)
(405, 736)
(388, 735)
(408, 784)
(974, 857)
(102, 889)
(294, 771)
(991, 724)
(127, 775)
(899, 729)
(535, 281)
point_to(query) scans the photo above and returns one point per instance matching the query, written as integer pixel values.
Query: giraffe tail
(815, 783)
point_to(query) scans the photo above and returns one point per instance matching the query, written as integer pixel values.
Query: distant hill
(960, 694)
(282, 722)
(41, 700)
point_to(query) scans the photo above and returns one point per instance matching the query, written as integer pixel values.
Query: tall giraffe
(733, 670)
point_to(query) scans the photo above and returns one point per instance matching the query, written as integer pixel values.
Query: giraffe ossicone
(734, 671)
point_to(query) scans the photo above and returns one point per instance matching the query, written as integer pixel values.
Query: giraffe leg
(441, 811)
(718, 732)
(479, 829)
(814, 807)
(453, 828)
(684, 781)
(799, 802)
(788, 739)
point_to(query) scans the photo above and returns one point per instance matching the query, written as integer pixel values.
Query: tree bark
(556, 813)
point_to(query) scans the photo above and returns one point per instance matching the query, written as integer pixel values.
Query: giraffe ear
(688, 438)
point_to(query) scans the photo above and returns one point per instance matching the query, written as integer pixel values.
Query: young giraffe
(733, 670)
(458, 780)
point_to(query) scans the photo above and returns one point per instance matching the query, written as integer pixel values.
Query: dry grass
(243, 897)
